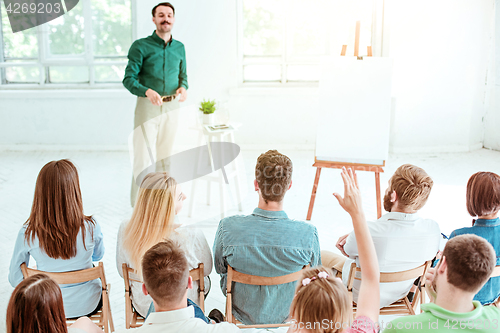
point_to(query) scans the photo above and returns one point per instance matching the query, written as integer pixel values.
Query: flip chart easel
(320, 164)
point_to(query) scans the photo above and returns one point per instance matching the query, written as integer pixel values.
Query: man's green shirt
(152, 64)
(483, 319)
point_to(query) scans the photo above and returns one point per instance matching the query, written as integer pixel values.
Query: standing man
(156, 73)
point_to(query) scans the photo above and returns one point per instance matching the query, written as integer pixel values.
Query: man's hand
(341, 243)
(351, 202)
(429, 278)
(154, 97)
(182, 91)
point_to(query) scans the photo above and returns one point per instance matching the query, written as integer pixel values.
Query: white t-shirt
(402, 242)
(194, 244)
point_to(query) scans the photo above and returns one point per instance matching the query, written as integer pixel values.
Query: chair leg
(422, 299)
(104, 310)
(229, 305)
(110, 319)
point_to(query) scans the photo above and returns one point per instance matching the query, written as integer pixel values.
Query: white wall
(440, 49)
(492, 118)
(65, 118)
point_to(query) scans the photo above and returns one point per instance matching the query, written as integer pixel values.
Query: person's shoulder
(123, 224)
(75, 330)
(235, 219)
(136, 44)
(428, 221)
(22, 230)
(305, 226)
(491, 312)
(407, 323)
(121, 229)
(175, 42)
(92, 224)
(462, 231)
(142, 40)
(189, 232)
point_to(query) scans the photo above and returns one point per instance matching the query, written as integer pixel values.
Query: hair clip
(321, 275)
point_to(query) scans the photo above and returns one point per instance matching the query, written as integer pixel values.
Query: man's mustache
(165, 22)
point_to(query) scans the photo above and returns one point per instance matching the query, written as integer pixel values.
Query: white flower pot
(209, 119)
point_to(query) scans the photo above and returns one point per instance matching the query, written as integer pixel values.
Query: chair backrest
(411, 274)
(399, 307)
(132, 317)
(103, 317)
(235, 276)
(80, 276)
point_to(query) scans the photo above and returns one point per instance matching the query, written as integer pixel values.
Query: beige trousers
(333, 260)
(155, 128)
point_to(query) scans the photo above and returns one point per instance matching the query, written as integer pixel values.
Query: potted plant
(208, 109)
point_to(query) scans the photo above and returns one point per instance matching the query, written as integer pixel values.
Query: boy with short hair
(466, 265)
(166, 278)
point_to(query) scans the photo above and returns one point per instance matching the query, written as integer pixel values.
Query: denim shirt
(265, 243)
(79, 299)
(489, 230)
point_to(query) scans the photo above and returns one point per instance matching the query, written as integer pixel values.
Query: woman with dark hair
(36, 305)
(60, 237)
(483, 203)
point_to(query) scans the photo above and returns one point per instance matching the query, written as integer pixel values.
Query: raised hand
(351, 202)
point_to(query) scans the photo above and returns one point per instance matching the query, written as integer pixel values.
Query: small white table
(232, 172)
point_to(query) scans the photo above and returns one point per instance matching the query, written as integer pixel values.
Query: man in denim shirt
(265, 243)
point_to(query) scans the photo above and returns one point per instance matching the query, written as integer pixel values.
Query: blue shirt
(489, 230)
(79, 299)
(266, 243)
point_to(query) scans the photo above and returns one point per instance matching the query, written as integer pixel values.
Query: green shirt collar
(441, 313)
(160, 41)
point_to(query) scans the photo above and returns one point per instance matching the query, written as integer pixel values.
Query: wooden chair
(402, 306)
(132, 317)
(496, 272)
(103, 317)
(234, 276)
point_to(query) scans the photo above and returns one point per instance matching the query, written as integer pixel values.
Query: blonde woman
(153, 220)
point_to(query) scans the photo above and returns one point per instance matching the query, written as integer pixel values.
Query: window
(281, 42)
(87, 46)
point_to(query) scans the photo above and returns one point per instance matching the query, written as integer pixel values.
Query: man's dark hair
(273, 173)
(165, 273)
(166, 4)
(471, 260)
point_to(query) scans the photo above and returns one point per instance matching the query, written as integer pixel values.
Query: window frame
(43, 61)
(377, 48)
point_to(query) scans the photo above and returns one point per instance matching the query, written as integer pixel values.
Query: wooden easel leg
(313, 194)
(379, 200)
